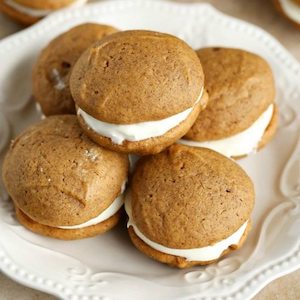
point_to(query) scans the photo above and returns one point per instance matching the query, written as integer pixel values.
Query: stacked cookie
(28, 12)
(145, 93)
(241, 116)
(51, 73)
(62, 184)
(188, 206)
(138, 91)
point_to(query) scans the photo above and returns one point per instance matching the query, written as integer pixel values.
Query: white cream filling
(39, 12)
(135, 132)
(197, 254)
(239, 144)
(106, 214)
(291, 9)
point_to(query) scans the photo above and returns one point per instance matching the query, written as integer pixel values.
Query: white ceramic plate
(108, 266)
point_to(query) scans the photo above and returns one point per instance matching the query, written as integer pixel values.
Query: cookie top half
(137, 76)
(189, 197)
(241, 87)
(59, 177)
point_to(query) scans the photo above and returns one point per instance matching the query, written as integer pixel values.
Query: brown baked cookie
(188, 206)
(51, 72)
(290, 9)
(28, 12)
(65, 185)
(241, 104)
(133, 87)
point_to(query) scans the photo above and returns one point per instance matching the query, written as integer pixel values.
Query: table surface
(261, 13)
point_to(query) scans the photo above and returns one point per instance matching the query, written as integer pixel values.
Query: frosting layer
(239, 144)
(135, 132)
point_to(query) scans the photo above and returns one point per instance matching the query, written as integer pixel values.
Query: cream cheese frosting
(202, 254)
(135, 132)
(291, 9)
(239, 144)
(106, 214)
(38, 13)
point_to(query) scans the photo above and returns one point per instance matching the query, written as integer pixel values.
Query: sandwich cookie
(137, 91)
(290, 9)
(188, 206)
(52, 70)
(241, 116)
(28, 12)
(62, 184)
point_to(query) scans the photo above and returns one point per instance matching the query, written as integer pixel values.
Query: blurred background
(259, 12)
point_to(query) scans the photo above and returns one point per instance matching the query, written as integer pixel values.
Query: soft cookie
(52, 70)
(28, 12)
(62, 184)
(290, 9)
(137, 91)
(188, 206)
(241, 115)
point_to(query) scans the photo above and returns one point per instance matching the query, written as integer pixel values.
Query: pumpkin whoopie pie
(137, 91)
(188, 206)
(241, 116)
(63, 185)
(51, 72)
(28, 12)
(290, 9)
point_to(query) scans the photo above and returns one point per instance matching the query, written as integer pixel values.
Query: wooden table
(261, 13)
